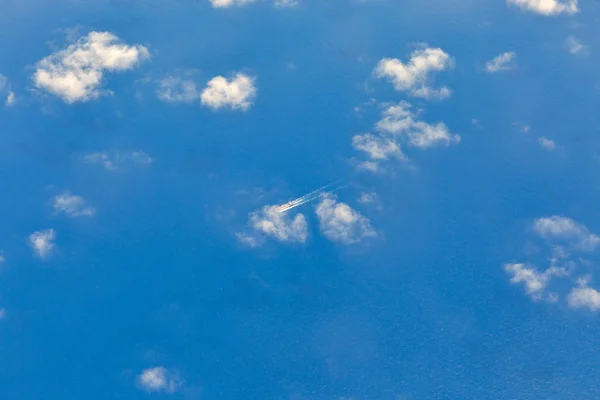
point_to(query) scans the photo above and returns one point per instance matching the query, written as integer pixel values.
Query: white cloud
(562, 228)
(73, 206)
(10, 99)
(238, 3)
(42, 242)
(236, 93)
(1, 258)
(158, 379)
(229, 3)
(76, 73)
(115, 160)
(399, 120)
(278, 225)
(575, 46)
(368, 198)
(5, 87)
(173, 89)
(341, 223)
(286, 3)
(584, 297)
(415, 75)
(547, 144)
(2, 313)
(535, 282)
(378, 148)
(547, 7)
(502, 62)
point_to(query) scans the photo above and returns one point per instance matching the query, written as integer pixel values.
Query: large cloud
(547, 7)
(341, 223)
(236, 93)
(415, 75)
(267, 222)
(76, 73)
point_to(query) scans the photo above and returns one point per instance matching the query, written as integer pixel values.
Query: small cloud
(75, 74)
(286, 3)
(229, 3)
(547, 7)
(476, 123)
(2, 313)
(73, 206)
(378, 148)
(5, 88)
(173, 89)
(562, 228)
(341, 223)
(115, 160)
(399, 120)
(535, 282)
(42, 242)
(278, 225)
(234, 94)
(575, 46)
(584, 297)
(415, 75)
(10, 99)
(158, 379)
(547, 144)
(502, 62)
(368, 198)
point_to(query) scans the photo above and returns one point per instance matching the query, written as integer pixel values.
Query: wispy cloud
(547, 144)
(42, 242)
(159, 379)
(502, 62)
(535, 282)
(173, 89)
(416, 74)
(341, 223)
(115, 160)
(575, 46)
(562, 228)
(547, 7)
(76, 73)
(73, 206)
(236, 94)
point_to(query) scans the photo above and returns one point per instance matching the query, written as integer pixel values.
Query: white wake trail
(303, 199)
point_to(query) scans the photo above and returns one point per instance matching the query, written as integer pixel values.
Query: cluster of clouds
(338, 222)
(236, 93)
(77, 74)
(570, 243)
(43, 242)
(399, 125)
